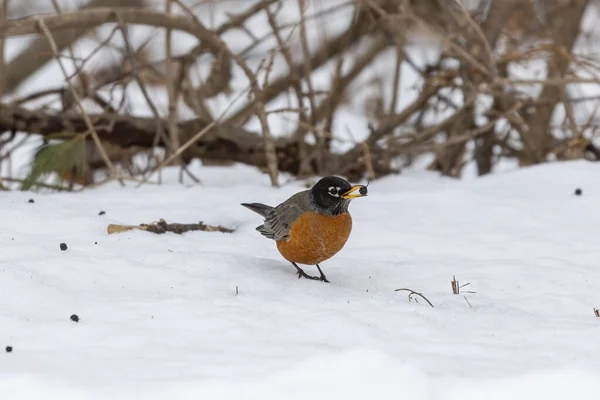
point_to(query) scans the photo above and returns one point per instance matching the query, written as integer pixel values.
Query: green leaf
(57, 158)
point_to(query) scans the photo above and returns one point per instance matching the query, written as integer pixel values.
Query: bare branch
(88, 122)
(38, 53)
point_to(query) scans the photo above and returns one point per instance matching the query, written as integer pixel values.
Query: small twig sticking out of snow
(597, 313)
(456, 286)
(412, 293)
(467, 300)
(466, 284)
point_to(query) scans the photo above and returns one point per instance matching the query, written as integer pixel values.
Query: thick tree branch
(126, 15)
(566, 21)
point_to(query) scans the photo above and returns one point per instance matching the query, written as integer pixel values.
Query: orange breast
(314, 238)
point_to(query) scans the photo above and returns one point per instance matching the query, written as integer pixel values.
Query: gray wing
(278, 221)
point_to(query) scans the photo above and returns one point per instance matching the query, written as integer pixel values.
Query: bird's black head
(332, 194)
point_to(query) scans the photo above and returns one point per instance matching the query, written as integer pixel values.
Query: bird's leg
(322, 277)
(302, 274)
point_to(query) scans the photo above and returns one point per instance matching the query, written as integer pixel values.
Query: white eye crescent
(333, 191)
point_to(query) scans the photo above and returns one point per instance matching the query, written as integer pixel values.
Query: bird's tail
(259, 208)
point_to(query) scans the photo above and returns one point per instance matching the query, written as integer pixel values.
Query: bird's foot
(322, 278)
(302, 274)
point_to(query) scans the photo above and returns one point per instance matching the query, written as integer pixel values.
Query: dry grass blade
(468, 302)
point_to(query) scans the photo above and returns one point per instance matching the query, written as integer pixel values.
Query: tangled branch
(465, 105)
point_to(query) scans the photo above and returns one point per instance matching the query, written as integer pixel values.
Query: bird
(312, 225)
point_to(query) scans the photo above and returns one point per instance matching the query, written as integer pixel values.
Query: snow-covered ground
(160, 317)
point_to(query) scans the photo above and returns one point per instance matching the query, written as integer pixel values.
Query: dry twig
(456, 287)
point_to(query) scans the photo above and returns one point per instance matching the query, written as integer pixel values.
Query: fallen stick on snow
(163, 227)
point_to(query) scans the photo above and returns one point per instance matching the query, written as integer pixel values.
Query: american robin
(313, 225)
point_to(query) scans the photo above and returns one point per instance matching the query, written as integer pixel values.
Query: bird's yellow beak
(362, 192)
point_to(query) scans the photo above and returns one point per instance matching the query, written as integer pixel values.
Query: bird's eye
(333, 191)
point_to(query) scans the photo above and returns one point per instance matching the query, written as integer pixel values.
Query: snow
(160, 318)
